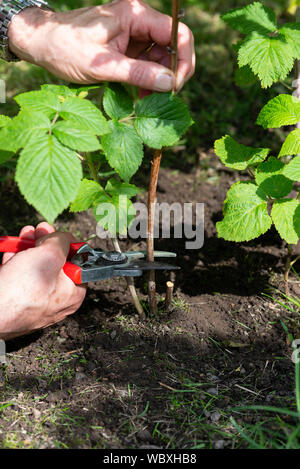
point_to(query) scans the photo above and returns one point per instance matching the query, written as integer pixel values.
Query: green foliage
(248, 203)
(57, 128)
(237, 156)
(291, 146)
(270, 178)
(251, 207)
(292, 170)
(269, 51)
(48, 175)
(4, 120)
(71, 135)
(282, 110)
(161, 118)
(117, 102)
(123, 149)
(245, 213)
(286, 217)
(86, 195)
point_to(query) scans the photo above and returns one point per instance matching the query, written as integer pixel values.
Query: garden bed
(104, 378)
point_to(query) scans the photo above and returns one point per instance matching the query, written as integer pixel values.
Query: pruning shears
(85, 264)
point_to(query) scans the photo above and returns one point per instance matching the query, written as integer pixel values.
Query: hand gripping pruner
(86, 264)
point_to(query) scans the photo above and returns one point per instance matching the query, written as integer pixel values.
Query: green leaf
(114, 188)
(161, 119)
(253, 17)
(291, 145)
(114, 214)
(271, 58)
(80, 90)
(85, 115)
(86, 196)
(269, 176)
(245, 77)
(48, 175)
(40, 101)
(59, 91)
(245, 213)
(116, 102)
(286, 217)
(292, 170)
(282, 110)
(123, 149)
(238, 156)
(4, 120)
(23, 129)
(78, 139)
(291, 32)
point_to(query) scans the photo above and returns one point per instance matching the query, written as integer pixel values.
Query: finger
(148, 24)
(43, 229)
(51, 253)
(141, 73)
(28, 232)
(186, 55)
(151, 25)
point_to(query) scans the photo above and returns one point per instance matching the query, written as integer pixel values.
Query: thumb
(52, 252)
(140, 73)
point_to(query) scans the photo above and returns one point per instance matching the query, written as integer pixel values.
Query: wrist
(26, 30)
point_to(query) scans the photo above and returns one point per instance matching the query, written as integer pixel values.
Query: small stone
(36, 413)
(144, 435)
(213, 391)
(79, 376)
(113, 335)
(219, 444)
(149, 447)
(215, 416)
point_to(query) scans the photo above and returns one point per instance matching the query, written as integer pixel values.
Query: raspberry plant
(272, 194)
(267, 52)
(58, 128)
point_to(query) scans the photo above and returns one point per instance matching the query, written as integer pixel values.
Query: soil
(105, 378)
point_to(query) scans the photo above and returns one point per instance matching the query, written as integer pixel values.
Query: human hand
(104, 43)
(34, 291)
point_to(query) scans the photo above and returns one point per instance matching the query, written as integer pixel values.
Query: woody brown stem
(155, 169)
(151, 218)
(174, 36)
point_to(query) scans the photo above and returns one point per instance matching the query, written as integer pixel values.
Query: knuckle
(138, 74)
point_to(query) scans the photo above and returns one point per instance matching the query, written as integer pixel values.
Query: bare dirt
(104, 378)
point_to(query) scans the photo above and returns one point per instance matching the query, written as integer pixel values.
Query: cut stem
(169, 296)
(130, 285)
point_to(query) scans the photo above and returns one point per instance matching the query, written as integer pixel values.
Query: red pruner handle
(73, 271)
(14, 244)
(74, 248)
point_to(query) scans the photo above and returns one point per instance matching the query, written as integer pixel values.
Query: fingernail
(163, 82)
(179, 81)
